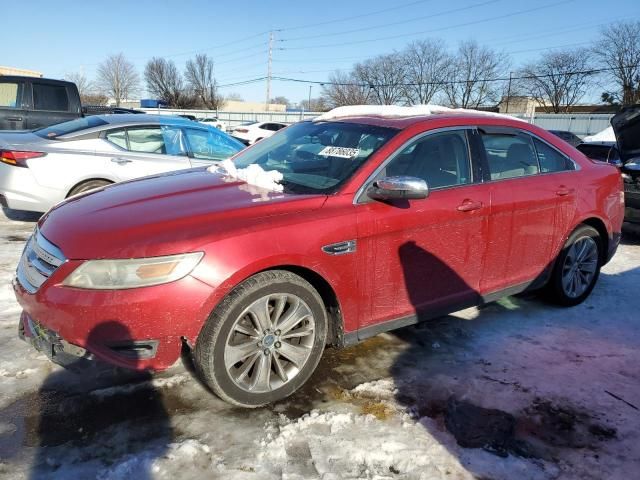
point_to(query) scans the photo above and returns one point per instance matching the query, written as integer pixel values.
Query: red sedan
(327, 233)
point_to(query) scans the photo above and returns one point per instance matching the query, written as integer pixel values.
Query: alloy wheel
(580, 266)
(269, 343)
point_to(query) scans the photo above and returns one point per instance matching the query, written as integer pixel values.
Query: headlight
(133, 273)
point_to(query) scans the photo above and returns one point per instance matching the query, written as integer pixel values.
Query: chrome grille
(39, 260)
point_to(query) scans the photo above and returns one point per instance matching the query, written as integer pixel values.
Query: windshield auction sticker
(340, 152)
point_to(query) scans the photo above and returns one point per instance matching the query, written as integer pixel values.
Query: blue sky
(311, 38)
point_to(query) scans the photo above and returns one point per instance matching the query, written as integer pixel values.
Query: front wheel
(264, 340)
(577, 267)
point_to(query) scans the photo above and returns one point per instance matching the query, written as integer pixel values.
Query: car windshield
(72, 126)
(316, 157)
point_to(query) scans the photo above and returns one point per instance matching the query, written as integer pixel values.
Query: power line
(466, 24)
(446, 82)
(353, 17)
(385, 25)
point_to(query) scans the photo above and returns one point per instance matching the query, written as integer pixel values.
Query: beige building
(516, 104)
(250, 107)
(19, 71)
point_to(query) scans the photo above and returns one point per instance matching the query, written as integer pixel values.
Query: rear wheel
(577, 267)
(88, 185)
(264, 340)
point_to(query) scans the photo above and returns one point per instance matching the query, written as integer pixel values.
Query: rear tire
(88, 185)
(577, 267)
(250, 359)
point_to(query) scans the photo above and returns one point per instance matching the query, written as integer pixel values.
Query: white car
(40, 168)
(214, 122)
(250, 133)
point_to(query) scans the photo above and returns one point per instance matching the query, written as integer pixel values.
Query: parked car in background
(31, 102)
(214, 122)
(106, 110)
(601, 151)
(626, 126)
(569, 137)
(250, 133)
(41, 168)
(397, 218)
(188, 116)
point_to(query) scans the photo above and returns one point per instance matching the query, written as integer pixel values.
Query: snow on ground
(566, 381)
(606, 135)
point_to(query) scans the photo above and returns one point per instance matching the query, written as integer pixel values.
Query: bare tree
(86, 89)
(281, 100)
(426, 64)
(385, 75)
(470, 75)
(619, 49)
(164, 81)
(117, 78)
(199, 75)
(317, 105)
(558, 80)
(343, 88)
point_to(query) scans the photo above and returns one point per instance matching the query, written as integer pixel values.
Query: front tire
(263, 341)
(577, 267)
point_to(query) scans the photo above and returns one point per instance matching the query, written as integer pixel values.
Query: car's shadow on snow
(80, 415)
(500, 379)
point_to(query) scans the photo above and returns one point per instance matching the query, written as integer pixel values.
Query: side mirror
(389, 188)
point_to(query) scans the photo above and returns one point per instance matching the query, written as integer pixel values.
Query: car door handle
(563, 191)
(120, 161)
(469, 205)
(14, 119)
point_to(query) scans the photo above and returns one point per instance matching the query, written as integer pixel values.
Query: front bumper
(138, 329)
(51, 344)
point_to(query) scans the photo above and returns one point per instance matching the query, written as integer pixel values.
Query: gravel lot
(517, 389)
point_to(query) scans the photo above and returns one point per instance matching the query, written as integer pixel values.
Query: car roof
(135, 118)
(401, 123)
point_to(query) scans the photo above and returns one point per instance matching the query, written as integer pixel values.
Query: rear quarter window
(10, 94)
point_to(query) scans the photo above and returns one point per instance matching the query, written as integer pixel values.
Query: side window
(10, 94)
(117, 137)
(509, 156)
(277, 126)
(206, 145)
(164, 140)
(550, 159)
(50, 97)
(441, 159)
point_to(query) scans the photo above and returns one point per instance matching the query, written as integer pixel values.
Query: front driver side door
(425, 256)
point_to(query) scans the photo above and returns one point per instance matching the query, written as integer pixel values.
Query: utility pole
(309, 104)
(508, 93)
(269, 71)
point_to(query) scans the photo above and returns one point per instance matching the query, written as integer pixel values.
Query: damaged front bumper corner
(52, 345)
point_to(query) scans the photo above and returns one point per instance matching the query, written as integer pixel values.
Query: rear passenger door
(525, 218)
(50, 105)
(146, 150)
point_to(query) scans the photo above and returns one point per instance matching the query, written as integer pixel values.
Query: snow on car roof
(396, 111)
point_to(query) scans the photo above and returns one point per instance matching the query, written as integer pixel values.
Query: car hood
(171, 213)
(626, 126)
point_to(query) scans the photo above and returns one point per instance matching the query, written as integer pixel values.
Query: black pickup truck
(31, 102)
